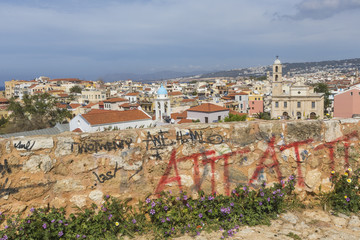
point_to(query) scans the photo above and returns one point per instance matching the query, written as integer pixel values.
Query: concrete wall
(78, 169)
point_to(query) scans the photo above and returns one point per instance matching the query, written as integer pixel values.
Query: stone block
(39, 162)
(33, 143)
(68, 185)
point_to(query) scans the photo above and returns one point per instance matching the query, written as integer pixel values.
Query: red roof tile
(179, 115)
(97, 116)
(132, 94)
(185, 121)
(114, 100)
(175, 93)
(208, 107)
(236, 113)
(77, 130)
(74, 105)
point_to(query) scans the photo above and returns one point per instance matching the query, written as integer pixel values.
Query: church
(293, 100)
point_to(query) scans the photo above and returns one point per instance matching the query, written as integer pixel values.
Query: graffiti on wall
(94, 146)
(207, 157)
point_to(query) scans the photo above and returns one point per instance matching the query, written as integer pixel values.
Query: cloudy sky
(91, 38)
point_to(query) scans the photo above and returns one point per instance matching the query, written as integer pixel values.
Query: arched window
(276, 69)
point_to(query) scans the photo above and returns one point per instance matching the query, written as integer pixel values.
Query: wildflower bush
(164, 217)
(344, 196)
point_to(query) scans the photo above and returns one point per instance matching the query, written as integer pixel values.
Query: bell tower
(277, 77)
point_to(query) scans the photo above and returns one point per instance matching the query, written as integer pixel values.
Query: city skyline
(90, 39)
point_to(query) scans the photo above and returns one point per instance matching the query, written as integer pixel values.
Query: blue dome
(162, 90)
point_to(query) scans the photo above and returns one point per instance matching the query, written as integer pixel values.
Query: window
(219, 118)
(285, 104)
(252, 108)
(351, 93)
(312, 104)
(299, 92)
(276, 104)
(240, 97)
(241, 106)
(253, 102)
(206, 119)
(298, 104)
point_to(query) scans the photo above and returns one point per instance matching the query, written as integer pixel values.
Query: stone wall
(78, 169)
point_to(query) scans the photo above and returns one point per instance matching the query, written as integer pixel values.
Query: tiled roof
(185, 121)
(127, 105)
(63, 95)
(4, 100)
(188, 100)
(177, 93)
(179, 115)
(132, 94)
(66, 80)
(236, 113)
(96, 116)
(74, 105)
(208, 107)
(90, 105)
(113, 100)
(61, 105)
(77, 130)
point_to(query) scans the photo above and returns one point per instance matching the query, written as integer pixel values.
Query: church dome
(277, 61)
(162, 90)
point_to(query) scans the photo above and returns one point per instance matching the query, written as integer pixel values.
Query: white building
(162, 104)
(207, 113)
(101, 120)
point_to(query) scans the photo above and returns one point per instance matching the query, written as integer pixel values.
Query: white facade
(162, 104)
(80, 122)
(207, 117)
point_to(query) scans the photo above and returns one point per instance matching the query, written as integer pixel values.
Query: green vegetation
(323, 88)
(263, 115)
(345, 196)
(172, 215)
(235, 118)
(76, 89)
(162, 217)
(34, 112)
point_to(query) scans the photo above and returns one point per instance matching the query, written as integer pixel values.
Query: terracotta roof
(208, 107)
(242, 93)
(132, 94)
(77, 130)
(3, 100)
(97, 116)
(182, 115)
(66, 80)
(33, 85)
(113, 100)
(226, 98)
(74, 105)
(90, 105)
(188, 100)
(127, 105)
(63, 95)
(236, 113)
(175, 93)
(185, 121)
(61, 105)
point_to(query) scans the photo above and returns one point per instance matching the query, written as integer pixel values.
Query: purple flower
(268, 199)
(60, 233)
(200, 215)
(211, 198)
(60, 221)
(189, 225)
(262, 194)
(170, 191)
(166, 208)
(177, 198)
(185, 197)
(168, 219)
(202, 198)
(348, 199)
(110, 216)
(78, 236)
(244, 188)
(197, 233)
(234, 191)
(84, 236)
(53, 220)
(148, 200)
(134, 221)
(44, 225)
(162, 220)
(152, 211)
(282, 182)
(6, 227)
(153, 204)
(66, 224)
(260, 203)
(32, 209)
(28, 221)
(232, 204)
(210, 211)
(107, 196)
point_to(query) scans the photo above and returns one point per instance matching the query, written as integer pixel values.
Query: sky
(89, 39)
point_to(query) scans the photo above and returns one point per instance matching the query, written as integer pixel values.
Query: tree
(263, 115)
(235, 118)
(323, 88)
(76, 89)
(35, 112)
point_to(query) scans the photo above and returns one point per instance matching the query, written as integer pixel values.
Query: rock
(289, 217)
(332, 130)
(354, 221)
(339, 221)
(63, 146)
(30, 189)
(58, 202)
(33, 143)
(96, 195)
(85, 164)
(39, 162)
(79, 200)
(312, 179)
(68, 185)
(316, 215)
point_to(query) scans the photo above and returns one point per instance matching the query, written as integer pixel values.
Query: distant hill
(306, 67)
(150, 77)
